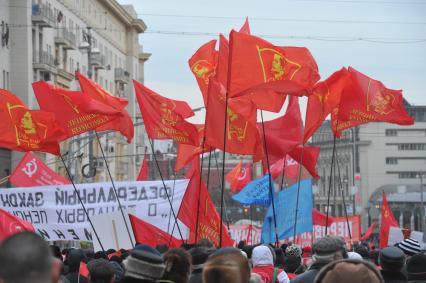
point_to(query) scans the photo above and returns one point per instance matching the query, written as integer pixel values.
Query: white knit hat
(410, 246)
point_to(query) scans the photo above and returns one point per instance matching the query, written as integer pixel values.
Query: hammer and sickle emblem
(30, 168)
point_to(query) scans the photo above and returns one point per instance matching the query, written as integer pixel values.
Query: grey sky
(367, 35)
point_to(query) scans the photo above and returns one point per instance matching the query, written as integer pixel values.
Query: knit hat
(199, 257)
(410, 246)
(293, 251)
(349, 271)
(144, 262)
(416, 267)
(392, 258)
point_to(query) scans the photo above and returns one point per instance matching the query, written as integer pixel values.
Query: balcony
(43, 15)
(65, 38)
(44, 61)
(98, 60)
(121, 75)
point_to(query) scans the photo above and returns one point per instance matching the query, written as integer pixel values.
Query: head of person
(293, 251)
(178, 265)
(391, 259)
(227, 265)
(74, 258)
(328, 249)
(100, 271)
(416, 268)
(362, 251)
(143, 265)
(349, 271)
(26, 258)
(199, 256)
(410, 247)
(205, 243)
(56, 252)
(262, 256)
(241, 245)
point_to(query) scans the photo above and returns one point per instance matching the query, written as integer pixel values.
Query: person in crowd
(354, 255)
(363, 251)
(374, 256)
(162, 249)
(410, 247)
(279, 258)
(392, 260)
(26, 258)
(349, 271)
(118, 268)
(74, 258)
(227, 265)
(199, 256)
(263, 265)
(143, 265)
(241, 245)
(326, 249)
(416, 269)
(178, 266)
(205, 243)
(100, 271)
(307, 256)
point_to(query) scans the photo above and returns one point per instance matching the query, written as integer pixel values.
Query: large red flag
(309, 158)
(164, 118)
(368, 100)
(387, 220)
(368, 233)
(148, 234)
(31, 171)
(10, 224)
(242, 136)
(320, 219)
(254, 62)
(203, 66)
(76, 112)
(123, 123)
(291, 168)
(143, 173)
(239, 177)
(23, 129)
(325, 97)
(208, 219)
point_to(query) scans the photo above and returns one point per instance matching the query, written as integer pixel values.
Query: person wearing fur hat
(199, 256)
(263, 265)
(416, 269)
(349, 271)
(227, 265)
(326, 249)
(178, 266)
(143, 265)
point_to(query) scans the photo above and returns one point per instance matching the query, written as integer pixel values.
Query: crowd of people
(27, 258)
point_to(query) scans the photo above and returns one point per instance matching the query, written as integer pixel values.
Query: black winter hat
(392, 257)
(199, 256)
(416, 267)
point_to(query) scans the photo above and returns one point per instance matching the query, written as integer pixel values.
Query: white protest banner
(395, 236)
(249, 233)
(57, 214)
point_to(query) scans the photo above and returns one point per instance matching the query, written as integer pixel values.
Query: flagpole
(81, 203)
(208, 168)
(165, 189)
(329, 183)
(199, 192)
(173, 196)
(115, 190)
(299, 177)
(344, 201)
(271, 193)
(283, 171)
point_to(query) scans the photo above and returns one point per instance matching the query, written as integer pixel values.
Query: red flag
(164, 118)
(148, 234)
(203, 66)
(387, 220)
(254, 62)
(320, 219)
(291, 168)
(284, 133)
(75, 112)
(325, 97)
(368, 233)
(23, 129)
(246, 27)
(241, 132)
(123, 123)
(209, 219)
(84, 271)
(31, 171)
(10, 225)
(143, 173)
(368, 100)
(310, 158)
(239, 177)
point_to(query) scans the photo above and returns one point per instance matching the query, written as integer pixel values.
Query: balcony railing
(66, 38)
(43, 15)
(98, 60)
(121, 75)
(45, 61)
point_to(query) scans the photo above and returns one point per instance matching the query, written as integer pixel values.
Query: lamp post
(422, 206)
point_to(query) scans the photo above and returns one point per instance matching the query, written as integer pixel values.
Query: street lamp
(422, 206)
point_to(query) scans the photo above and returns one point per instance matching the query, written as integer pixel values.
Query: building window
(407, 175)
(391, 133)
(412, 146)
(391, 160)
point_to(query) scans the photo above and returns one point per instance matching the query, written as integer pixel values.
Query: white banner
(57, 214)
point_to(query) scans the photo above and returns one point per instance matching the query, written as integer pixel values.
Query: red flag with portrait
(23, 129)
(164, 118)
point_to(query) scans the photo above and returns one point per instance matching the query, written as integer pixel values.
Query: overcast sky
(383, 39)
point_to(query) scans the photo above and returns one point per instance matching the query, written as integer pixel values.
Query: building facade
(52, 39)
(372, 158)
